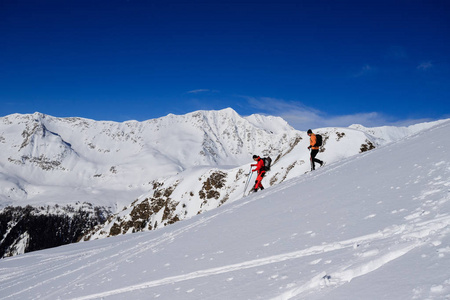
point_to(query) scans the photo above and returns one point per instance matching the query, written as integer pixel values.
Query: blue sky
(315, 63)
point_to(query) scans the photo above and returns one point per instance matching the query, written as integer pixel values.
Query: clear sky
(315, 63)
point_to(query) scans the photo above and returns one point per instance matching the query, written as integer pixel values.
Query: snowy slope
(200, 189)
(197, 190)
(373, 226)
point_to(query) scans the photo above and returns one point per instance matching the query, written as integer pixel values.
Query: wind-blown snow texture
(372, 226)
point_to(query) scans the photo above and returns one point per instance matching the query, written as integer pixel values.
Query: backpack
(267, 162)
(318, 140)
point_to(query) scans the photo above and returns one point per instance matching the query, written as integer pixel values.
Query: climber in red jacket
(259, 167)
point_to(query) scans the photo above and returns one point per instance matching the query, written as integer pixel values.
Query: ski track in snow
(412, 236)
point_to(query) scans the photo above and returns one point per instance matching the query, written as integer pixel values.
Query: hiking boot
(322, 163)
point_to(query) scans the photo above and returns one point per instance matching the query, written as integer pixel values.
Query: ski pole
(250, 177)
(248, 180)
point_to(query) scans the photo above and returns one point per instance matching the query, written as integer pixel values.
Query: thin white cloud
(366, 69)
(296, 114)
(302, 117)
(198, 91)
(425, 66)
(397, 53)
(303, 120)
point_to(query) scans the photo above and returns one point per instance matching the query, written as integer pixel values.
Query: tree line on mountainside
(39, 228)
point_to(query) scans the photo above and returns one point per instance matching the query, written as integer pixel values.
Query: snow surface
(372, 226)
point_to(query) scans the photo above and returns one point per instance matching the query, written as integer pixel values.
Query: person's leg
(313, 158)
(258, 180)
(318, 161)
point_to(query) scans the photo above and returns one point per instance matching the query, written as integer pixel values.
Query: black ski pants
(314, 159)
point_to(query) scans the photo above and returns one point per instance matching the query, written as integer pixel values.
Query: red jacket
(259, 166)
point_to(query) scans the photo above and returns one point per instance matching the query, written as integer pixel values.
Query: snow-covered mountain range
(372, 225)
(109, 163)
(139, 176)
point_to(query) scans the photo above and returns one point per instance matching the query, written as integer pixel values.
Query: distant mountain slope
(372, 226)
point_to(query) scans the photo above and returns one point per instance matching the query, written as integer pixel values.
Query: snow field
(374, 226)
